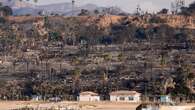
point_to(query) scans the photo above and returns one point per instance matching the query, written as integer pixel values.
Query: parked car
(148, 106)
(55, 99)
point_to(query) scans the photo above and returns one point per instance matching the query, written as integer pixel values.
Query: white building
(125, 96)
(36, 98)
(89, 96)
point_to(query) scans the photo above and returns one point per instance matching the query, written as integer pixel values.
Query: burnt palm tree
(14, 66)
(162, 62)
(76, 81)
(104, 88)
(189, 76)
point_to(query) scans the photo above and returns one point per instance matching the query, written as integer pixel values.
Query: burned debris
(64, 56)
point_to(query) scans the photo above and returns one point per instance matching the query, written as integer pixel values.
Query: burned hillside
(62, 56)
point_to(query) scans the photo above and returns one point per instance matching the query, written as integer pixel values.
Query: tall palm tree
(162, 62)
(73, 3)
(77, 74)
(104, 89)
(76, 81)
(105, 78)
(189, 76)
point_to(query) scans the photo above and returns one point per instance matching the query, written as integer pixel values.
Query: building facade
(125, 96)
(89, 96)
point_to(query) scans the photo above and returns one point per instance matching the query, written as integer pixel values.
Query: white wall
(89, 98)
(126, 99)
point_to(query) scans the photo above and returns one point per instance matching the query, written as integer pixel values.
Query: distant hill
(16, 4)
(24, 8)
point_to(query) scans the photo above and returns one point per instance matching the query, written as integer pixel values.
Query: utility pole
(72, 13)
(73, 6)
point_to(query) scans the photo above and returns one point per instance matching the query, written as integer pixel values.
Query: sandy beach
(8, 105)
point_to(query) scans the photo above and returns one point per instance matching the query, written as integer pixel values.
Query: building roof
(88, 93)
(124, 93)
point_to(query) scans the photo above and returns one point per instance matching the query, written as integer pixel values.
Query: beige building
(125, 96)
(89, 96)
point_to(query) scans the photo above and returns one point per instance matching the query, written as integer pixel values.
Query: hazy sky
(127, 5)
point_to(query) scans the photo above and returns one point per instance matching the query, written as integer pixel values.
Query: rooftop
(88, 93)
(124, 92)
